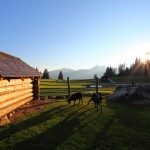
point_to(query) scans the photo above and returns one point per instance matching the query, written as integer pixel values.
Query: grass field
(52, 87)
(128, 79)
(60, 126)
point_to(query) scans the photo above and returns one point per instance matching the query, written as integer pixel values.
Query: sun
(141, 50)
(144, 55)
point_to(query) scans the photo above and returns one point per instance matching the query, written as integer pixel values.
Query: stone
(126, 94)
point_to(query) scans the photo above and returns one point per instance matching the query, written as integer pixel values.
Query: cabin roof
(11, 66)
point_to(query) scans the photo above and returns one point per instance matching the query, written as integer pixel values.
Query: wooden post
(97, 85)
(132, 82)
(68, 82)
(36, 88)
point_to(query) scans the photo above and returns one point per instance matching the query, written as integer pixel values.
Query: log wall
(14, 93)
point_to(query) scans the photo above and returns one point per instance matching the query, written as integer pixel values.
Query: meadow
(128, 79)
(60, 126)
(54, 88)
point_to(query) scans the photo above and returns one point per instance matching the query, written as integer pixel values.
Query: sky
(76, 34)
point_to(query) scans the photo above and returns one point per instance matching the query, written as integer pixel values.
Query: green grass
(52, 87)
(128, 79)
(60, 126)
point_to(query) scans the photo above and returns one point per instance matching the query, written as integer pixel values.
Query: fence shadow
(49, 114)
(57, 134)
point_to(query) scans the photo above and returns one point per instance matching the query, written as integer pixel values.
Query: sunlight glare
(144, 55)
(137, 50)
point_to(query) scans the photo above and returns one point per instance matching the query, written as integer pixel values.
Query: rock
(126, 94)
(146, 88)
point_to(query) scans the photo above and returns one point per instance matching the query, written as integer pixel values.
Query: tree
(95, 76)
(60, 76)
(104, 79)
(146, 70)
(36, 69)
(46, 74)
(110, 72)
(122, 70)
(137, 68)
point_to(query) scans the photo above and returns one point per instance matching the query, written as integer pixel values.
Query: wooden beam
(14, 100)
(12, 95)
(9, 109)
(36, 88)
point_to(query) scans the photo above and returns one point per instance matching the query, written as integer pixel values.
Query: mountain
(79, 74)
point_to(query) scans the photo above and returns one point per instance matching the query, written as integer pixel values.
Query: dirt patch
(29, 108)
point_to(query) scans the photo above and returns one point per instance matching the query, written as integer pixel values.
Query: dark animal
(97, 99)
(74, 97)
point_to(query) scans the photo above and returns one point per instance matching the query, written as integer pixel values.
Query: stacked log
(36, 88)
(14, 93)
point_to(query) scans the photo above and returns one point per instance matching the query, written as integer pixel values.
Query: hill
(79, 74)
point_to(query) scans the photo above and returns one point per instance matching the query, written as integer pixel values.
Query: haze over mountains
(79, 74)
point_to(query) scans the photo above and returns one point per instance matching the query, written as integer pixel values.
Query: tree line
(138, 68)
(46, 75)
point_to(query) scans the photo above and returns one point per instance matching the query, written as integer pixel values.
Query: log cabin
(19, 83)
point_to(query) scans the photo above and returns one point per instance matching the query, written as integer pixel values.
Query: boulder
(126, 94)
(146, 88)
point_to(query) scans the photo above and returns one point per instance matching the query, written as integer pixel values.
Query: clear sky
(75, 34)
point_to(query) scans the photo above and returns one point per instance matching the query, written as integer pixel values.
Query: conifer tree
(60, 76)
(46, 74)
(95, 76)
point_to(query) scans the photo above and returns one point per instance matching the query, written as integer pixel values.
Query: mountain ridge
(80, 73)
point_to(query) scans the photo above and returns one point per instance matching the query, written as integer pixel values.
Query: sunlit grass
(52, 87)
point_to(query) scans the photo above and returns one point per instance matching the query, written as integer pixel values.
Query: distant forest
(138, 68)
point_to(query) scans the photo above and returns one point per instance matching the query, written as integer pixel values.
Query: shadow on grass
(96, 142)
(78, 117)
(31, 122)
(124, 129)
(37, 105)
(56, 135)
(52, 136)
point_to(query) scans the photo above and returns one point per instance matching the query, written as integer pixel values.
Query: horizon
(75, 34)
